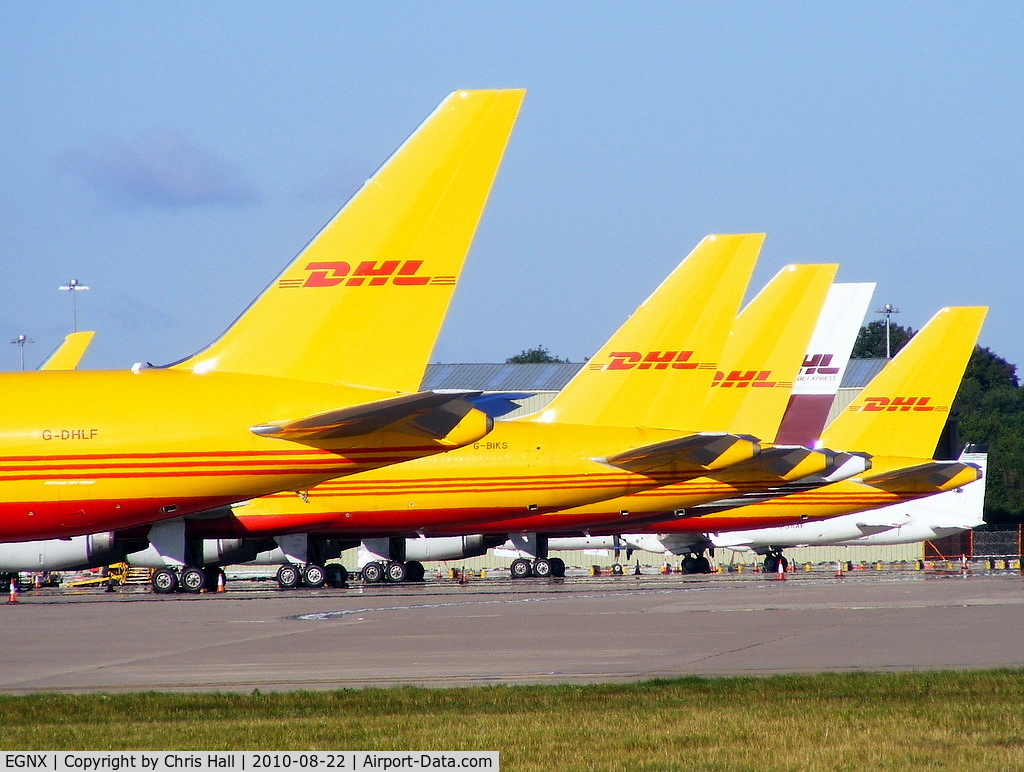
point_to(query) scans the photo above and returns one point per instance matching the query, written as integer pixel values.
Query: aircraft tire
(771, 564)
(542, 568)
(192, 579)
(165, 581)
(337, 575)
(289, 576)
(520, 569)
(416, 571)
(396, 572)
(314, 575)
(557, 567)
(703, 565)
(373, 573)
(213, 575)
(690, 565)
(617, 569)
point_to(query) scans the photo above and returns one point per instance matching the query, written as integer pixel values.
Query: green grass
(943, 720)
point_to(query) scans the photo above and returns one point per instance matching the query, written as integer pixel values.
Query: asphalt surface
(440, 633)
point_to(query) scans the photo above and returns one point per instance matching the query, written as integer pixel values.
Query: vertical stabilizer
(69, 353)
(656, 369)
(827, 356)
(902, 410)
(364, 301)
(764, 352)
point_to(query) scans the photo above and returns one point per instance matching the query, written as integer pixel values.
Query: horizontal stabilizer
(428, 413)
(699, 452)
(931, 476)
(843, 465)
(787, 462)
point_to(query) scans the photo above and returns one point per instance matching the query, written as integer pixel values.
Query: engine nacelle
(75, 554)
(449, 547)
(226, 552)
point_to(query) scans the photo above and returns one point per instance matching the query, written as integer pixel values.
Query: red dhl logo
(818, 364)
(652, 360)
(897, 404)
(741, 379)
(401, 273)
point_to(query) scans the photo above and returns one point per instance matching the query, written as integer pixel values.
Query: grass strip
(966, 720)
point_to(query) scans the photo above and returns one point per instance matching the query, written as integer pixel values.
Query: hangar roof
(501, 377)
(553, 376)
(860, 372)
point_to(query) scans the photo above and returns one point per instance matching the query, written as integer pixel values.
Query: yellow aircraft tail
(655, 370)
(364, 301)
(764, 352)
(902, 410)
(69, 353)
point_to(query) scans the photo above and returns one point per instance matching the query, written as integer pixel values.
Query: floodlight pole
(888, 310)
(20, 342)
(73, 286)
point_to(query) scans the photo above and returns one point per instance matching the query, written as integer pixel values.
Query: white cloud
(160, 167)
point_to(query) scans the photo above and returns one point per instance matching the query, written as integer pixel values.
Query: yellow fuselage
(82, 452)
(520, 469)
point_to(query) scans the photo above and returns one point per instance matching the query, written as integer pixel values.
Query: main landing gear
(696, 564)
(190, 579)
(393, 572)
(291, 576)
(543, 568)
(772, 560)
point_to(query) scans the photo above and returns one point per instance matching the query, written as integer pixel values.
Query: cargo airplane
(765, 347)
(828, 354)
(749, 394)
(918, 520)
(605, 435)
(897, 418)
(306, 385)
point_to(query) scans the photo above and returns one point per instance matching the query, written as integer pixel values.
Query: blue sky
(175, 156)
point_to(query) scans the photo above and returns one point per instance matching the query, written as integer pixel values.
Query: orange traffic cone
(220, 581)
(839, 570)
(13, 597)
(780, 575)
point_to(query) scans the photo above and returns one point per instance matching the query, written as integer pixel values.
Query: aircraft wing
(425, 413)
(697, 452)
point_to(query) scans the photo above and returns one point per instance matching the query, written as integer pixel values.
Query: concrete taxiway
(579, 630)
